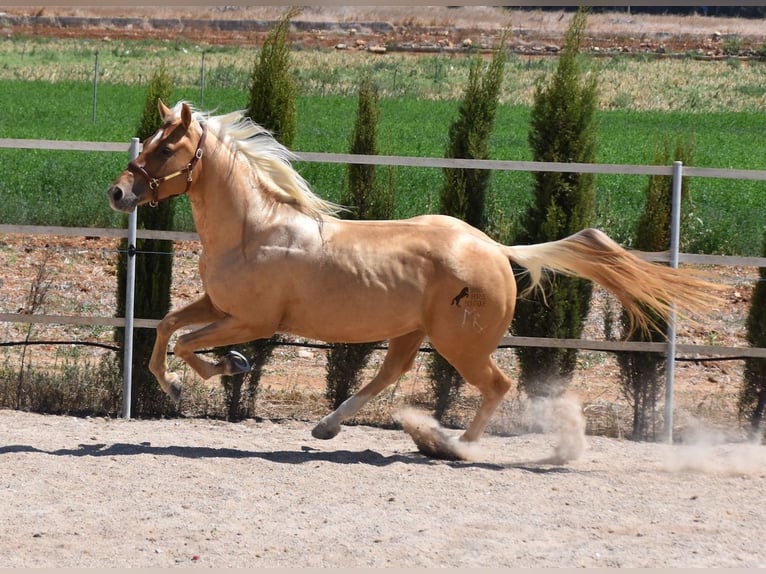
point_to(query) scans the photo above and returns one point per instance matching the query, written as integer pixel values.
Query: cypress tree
(273, 90)
(366, 199)
(154, 268)
(563, 129)
(272, 104)
(752, 397)
(464, 190)
(641, 373)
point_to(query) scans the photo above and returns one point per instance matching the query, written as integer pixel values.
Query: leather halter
(154, 182)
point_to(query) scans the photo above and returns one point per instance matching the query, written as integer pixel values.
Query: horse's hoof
(324, 431)
(174, 391)
(235, 363)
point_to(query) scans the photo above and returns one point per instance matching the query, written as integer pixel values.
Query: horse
(277, 258)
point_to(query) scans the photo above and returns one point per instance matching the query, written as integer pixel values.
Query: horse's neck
(219, 203)
(229, 205)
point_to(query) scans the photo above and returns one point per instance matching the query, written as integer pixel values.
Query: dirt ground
(113, 493)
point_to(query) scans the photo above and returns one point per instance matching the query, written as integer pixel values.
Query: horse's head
(152, 176)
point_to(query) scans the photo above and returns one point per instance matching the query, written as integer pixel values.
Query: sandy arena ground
(114, 493)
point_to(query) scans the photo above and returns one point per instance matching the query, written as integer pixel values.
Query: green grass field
(68, 188)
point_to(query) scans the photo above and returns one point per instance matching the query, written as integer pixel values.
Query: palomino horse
(276, 259)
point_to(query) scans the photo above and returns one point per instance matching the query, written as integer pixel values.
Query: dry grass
(624, 83)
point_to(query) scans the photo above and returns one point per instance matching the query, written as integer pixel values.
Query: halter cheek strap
(154, 182)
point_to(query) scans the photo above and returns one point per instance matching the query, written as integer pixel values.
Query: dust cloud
(712, 451)
(433, 440)
(561, 417)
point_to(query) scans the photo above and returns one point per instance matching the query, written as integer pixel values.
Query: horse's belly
(327, 307)
(353, 318)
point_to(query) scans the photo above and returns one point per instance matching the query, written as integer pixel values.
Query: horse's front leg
(200, 311)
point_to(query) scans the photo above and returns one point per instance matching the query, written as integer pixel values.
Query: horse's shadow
(305, 455)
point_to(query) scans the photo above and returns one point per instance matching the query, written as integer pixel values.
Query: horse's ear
(186, 115)
(162, 109)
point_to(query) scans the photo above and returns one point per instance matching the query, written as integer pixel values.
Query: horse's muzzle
(120, 200)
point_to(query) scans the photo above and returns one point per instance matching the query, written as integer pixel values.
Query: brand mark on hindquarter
(469, 297)
(460, 296)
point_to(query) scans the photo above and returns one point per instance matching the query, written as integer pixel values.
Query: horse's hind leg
(399, 359)
(493, 384)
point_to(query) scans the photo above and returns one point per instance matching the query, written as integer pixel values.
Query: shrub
(752, 397)
(272, 105)
(732, 45)
(272, 87)
(641, 373)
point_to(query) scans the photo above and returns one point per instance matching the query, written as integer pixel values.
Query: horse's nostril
(115, 193)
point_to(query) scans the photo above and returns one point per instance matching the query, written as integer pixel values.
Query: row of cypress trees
(563, 128)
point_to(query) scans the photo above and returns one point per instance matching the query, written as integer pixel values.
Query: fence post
(202, 81)
(95, 87)
(675, 241)
(130, 290)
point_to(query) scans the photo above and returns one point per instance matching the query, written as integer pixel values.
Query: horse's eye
(166, 151)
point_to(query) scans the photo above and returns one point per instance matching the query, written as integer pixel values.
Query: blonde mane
(267, 156)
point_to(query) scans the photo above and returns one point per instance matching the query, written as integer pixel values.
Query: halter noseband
(154, 182)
